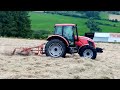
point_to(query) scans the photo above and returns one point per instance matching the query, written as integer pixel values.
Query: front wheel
(88, 52)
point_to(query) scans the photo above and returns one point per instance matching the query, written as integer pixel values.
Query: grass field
(104, 15)
(42, 21)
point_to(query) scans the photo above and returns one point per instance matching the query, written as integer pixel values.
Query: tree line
(81, 14)
(15, 24)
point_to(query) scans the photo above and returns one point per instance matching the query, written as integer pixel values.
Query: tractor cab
(68, 31)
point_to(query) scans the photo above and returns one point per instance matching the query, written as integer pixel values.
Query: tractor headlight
(90, 43)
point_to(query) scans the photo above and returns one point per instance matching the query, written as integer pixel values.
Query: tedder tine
(13, 51)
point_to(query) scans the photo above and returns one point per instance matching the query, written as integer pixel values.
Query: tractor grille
(90, 43)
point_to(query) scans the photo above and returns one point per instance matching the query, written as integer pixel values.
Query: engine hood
(85, 38)
(82, 40)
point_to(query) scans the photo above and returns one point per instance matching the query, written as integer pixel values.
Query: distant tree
(114, 12)
(114, 25)
(115, 20)
(92, 14)
(93, 26)
(15, 24)
(41, 34)
(6, 23)
(23, 23)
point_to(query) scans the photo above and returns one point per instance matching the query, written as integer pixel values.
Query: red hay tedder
(38, 50)
(64, 40)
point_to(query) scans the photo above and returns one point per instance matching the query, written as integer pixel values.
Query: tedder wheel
(88, 52)
(55, 48)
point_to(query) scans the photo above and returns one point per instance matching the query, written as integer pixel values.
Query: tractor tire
(55, 48)
(88, 52)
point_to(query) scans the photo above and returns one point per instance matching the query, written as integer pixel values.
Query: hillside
(42, 21)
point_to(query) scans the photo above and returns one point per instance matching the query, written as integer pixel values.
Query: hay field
(106, 65)
(113, 17)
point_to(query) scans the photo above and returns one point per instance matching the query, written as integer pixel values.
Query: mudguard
(58, 37)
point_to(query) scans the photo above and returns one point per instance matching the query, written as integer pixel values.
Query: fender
(58, 37)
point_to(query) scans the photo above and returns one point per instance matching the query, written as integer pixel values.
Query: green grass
(110, 29)
(104, 15)
(42, 21)
(109, 22)
(47, 22)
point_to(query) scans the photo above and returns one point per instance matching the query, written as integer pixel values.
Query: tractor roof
(65, 24)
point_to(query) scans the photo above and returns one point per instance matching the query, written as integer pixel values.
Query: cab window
(68, 34)
(58, 30)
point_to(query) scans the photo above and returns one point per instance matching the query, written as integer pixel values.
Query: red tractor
(66, 40)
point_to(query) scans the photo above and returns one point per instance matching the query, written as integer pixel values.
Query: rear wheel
(55, 48)
(88, 52)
